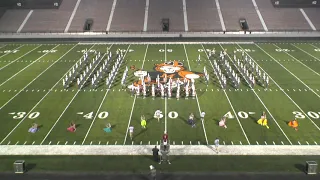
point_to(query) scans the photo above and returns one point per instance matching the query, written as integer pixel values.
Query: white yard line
(37, 77)
(185, 16)
(134, 100)
(236, 115)
(220, 16)
(72, 16)
(25, 21)
(306, 52)
(307, 19)
(104, 97)
(26, 67)
(165, 98)
(111, 15)
(282, 91)
(259, 15)
(38, 101)
(138, 150)
(287, 70)
(204, 129)
(299, 61)
(20, 57)
(11, 50)
(146, 12)
(274, 119)
(69, 104)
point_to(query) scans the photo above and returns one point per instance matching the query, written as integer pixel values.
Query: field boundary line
(36, 77)
(20, 57)
(69, 102)
(305, 52)
(204, 129)
(134, 100)
(287, 70)
(138, 150)
(104, 97)
(33, 108)
(236, 115)
(274, 119)
(299, 61)
(282, 90)
(161, 42)
(27, 66)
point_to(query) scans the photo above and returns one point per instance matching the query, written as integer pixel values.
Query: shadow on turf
(300, 167)
(30, 166)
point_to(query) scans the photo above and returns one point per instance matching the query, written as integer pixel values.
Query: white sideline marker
(198, 142)
(224, 143)
(220, 16)
(282, 143)
(99, 142)
(182, 142)
(111, 14)
(251, 112)
(58, 142)
(149, 143)
(232, 142)
(66, 143)
(174, 143)
(107, 142)
(25, 143)
(273, 143)
(91, 143)
(17, 142)
(265, 143)
(33, 142)
(315, 143)
(25, 21)
(49, 142)
(299, 143)
(140, 142)
(74, 142)
(190, 143)
(145, 22)
(240, 143)
(9, 142)
(72, 16)
(307, 19)
(307, 142)
(185, 15)
(257, 142)
(116, 143)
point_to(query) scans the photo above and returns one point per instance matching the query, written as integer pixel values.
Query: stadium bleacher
(184, 15)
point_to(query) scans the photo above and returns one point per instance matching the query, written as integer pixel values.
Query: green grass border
(141, 163)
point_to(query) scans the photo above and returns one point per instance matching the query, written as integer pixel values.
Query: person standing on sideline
(131, 128)
(202, 115)
(216, 143)
(155, 152)
(153, 172)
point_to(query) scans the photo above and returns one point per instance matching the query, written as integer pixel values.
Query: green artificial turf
(31, 82)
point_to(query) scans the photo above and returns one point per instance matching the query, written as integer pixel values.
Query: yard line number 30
(20, 115)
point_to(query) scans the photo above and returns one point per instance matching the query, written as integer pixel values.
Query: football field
(31, 91)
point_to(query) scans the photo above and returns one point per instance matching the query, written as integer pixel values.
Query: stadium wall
(160, 37)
